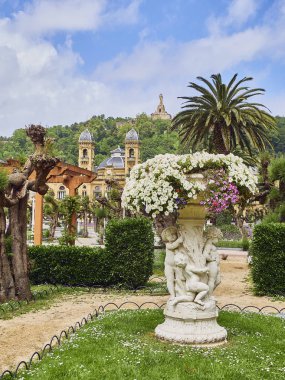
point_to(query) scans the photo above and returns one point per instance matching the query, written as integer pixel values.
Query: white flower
(154, 182)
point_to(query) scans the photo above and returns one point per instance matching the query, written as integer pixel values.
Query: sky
(63, 61)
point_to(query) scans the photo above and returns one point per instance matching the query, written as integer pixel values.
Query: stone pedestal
(189, 324)
(189, 320)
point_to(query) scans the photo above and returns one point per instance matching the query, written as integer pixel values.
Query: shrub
(127, 258)
(68, 265)
(230, 244)
(129, 245)
(268, 258)
(225, 217)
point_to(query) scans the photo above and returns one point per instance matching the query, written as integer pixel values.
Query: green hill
(108, 133)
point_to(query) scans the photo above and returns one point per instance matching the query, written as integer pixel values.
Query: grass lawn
(158, 263)
(121, 345)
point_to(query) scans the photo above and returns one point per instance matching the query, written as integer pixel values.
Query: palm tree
(222, 118)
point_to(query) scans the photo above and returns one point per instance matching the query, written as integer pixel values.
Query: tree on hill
(222, 117)
(278, 137)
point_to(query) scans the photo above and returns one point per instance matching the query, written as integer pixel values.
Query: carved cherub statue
(173, 241)
(212, 235)
(193, 284)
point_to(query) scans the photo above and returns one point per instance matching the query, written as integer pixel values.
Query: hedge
(127, 258)
(130, 247)
(268, 258)
(68, 265)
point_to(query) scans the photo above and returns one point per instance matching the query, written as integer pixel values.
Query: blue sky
(62, 61)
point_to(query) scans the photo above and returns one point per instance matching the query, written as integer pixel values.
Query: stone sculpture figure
(172, 242)
(210, 252)
(195, 289)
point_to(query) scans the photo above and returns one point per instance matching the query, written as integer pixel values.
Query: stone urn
(192, 273)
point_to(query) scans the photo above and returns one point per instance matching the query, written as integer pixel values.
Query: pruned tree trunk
(7, 288)
(85, 224)
(19, 248)
(54, 223)
(14, 279)
(95, 222)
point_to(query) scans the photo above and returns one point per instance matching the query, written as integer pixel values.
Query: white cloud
(237, 14)
(46, 16)
(40, 82)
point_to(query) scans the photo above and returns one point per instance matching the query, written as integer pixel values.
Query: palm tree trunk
(218, 142)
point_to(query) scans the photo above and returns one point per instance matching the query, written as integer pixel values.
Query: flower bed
(167, 182)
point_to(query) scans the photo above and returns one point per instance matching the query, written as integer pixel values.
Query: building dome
(132, 135)
(117, 160)
(85, 136)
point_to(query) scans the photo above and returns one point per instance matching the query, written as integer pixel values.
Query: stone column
(38, 227)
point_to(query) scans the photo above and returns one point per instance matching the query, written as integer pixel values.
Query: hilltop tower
(132, 151)
(86, 150)
(160, 112)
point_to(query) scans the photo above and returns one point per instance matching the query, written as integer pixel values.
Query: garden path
(24, 334)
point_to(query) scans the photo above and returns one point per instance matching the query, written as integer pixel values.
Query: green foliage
(155, 136)
(158, 263)
(68, 265)
(8, 244)
(245, 244)
(277, 169)
(3, 179)
(223, 118)
(230, 244)
(69, 206)
(129, 243)
(127, 258)
(278, 137)
(225, 217)
(272, 217)
(268, 253)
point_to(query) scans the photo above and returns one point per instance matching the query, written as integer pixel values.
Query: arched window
(85, 153)
(61, 192)
(97, 192)
(131, 153)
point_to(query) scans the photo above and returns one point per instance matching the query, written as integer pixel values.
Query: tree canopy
(223, 118)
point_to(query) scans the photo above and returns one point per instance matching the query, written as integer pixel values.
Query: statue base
(191, 323)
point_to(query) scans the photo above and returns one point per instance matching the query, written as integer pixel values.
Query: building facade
(116, 167)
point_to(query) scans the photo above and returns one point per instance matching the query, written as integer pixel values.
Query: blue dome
(85, 136)
(132, 135)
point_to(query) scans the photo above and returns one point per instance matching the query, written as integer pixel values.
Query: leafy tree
(85, 211)
(223, 118)
(69, 207)
(278, 137)
(51, 210)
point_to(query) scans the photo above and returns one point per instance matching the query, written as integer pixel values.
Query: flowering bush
(220, 192)
(167, 182)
